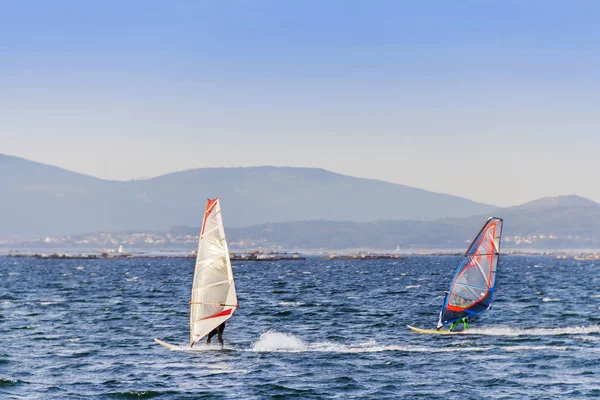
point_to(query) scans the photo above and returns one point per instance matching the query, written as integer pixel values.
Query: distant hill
(561, 215)
(38, 199)
(550, 223)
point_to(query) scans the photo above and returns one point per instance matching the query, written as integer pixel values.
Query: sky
(496, 101)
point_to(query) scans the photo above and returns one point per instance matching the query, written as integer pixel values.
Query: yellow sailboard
(433, 331)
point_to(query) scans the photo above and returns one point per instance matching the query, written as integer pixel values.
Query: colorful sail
(473, 285)
(213, 292)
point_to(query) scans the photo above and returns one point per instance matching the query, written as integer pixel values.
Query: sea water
(314, 329)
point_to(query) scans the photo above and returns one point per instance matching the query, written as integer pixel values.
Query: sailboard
(214, 298)
(433, 331)
(474, 283)
(165, 344)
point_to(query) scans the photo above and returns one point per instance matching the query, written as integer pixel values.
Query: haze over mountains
(39, 199)
(280, 207)
(562, 222)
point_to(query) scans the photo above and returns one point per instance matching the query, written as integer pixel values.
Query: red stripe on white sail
(220, 314)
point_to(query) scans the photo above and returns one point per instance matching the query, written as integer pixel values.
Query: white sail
(213, 292)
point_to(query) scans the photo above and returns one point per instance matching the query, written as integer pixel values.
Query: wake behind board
(433, 331)
(167, 345)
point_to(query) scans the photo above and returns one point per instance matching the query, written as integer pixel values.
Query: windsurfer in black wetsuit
(217, 331)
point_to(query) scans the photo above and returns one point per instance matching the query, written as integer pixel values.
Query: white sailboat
(214, 299)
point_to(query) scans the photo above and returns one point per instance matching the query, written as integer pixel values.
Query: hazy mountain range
(563, 222)
(39, 199)
(270, 207)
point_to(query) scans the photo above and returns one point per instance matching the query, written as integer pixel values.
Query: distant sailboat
(213, 291)
(474, 282)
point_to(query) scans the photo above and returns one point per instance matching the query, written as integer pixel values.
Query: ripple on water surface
(312, 329)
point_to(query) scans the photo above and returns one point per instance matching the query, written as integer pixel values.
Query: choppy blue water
(73, 329)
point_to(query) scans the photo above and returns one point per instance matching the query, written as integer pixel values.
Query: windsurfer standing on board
(217, 331)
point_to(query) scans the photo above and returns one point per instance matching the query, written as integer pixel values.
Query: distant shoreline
(289, 256)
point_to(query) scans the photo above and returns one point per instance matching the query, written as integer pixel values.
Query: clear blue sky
(496, 101)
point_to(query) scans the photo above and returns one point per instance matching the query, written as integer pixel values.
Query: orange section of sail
(210, 206)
